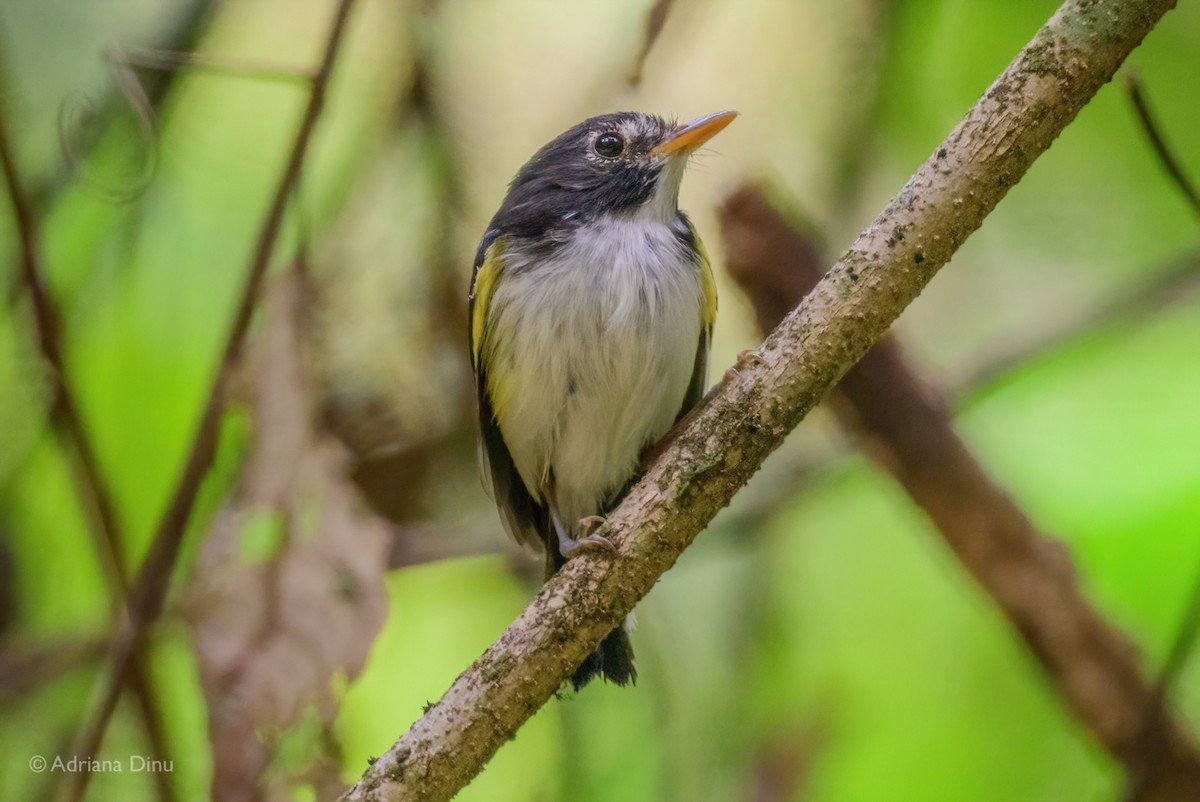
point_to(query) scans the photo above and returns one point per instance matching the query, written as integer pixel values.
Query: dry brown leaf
(288, 589)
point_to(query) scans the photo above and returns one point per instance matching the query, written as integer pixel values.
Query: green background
(819, 641)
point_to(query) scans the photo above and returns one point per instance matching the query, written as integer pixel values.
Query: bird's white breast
(590, 352)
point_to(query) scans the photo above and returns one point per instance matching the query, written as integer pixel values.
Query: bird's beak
(687, 138)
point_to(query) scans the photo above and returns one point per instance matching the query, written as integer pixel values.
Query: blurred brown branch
(906, 428)
(783, 763)
(26, 667)
(150, 587)
(94, 494)
(656, 20)
(718, 447)
(394, 465)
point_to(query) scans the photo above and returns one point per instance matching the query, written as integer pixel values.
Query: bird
(591, 311)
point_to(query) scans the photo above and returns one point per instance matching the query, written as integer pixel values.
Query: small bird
(591, 311)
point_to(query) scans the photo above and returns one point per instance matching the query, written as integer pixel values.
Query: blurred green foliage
(837, 638)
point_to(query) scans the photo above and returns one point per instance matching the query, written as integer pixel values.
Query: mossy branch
(720, 446)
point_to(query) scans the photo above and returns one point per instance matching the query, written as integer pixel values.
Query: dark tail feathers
(613, 660)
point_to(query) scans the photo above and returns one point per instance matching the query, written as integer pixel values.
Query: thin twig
(656, 20)
(1149, 747)
(91, 487)
(24, 667)
(89, 478)
(150, 587)
(142, 687)
(77, 110)
(1166, 157)
(171, 60)
(186, 31)
(722, 443)
(879, 53)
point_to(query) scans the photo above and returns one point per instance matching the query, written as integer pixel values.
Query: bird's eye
(609, 145)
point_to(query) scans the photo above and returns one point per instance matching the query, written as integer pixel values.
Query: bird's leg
(568, 546)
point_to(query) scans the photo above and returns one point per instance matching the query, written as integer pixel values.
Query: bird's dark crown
(603, 165)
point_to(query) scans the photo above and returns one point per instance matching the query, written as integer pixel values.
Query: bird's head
(627, 163)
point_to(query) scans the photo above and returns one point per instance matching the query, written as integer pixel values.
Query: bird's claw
(569, 547)
(746, 359)
(591, 522)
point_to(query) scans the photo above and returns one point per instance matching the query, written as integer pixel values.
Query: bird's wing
(524, 518)
(708, 315)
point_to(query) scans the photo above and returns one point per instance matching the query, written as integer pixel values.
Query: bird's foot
(590, 523)
(569, 547)
(746, 359)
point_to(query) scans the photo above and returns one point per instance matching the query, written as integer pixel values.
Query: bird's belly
(631, 391)
(600, 364)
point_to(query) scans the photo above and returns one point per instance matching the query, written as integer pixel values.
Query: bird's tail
(613, 660)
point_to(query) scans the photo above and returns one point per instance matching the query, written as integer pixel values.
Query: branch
(656, 20)
(1151, 742)
(94, 494)
(176, 60)
(1153, 131)
(150, 587)
(906, 428)
(96, 498)
(720, 446)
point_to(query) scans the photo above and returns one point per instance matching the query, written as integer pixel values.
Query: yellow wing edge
(707, 281)
(486, 276)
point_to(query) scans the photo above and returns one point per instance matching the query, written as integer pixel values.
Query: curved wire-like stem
(1158, 142)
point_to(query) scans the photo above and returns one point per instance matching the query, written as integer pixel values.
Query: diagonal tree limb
(906, 428)
(720, 446)
(150, 586)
